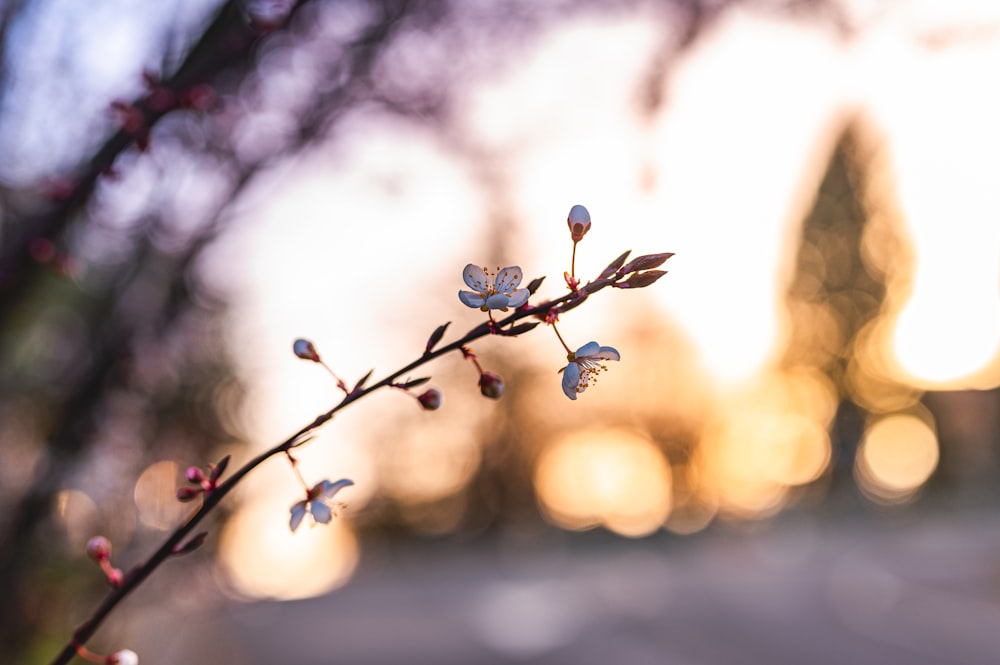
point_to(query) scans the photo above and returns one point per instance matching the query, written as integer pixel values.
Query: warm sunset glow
(695, 505)
(870, 379)
(723, 173)
(156, 496)
(946, 305)
(732, 172)
(615, 478)
(428, 461)
(262, 558)
(765, 438)
(897, 455)
(941, 339)
(792, 450)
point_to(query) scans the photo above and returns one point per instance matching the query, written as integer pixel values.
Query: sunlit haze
(360, 247)
(250, 410)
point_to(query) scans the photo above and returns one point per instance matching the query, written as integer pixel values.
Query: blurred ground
(918, 589)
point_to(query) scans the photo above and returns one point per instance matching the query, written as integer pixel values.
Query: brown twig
(169, 547)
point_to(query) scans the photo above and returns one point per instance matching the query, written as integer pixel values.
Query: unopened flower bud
(578, 222)
(431, 399)
(491, 385)
(304, 349)
(194, 475)
(99, 548)
(123, 657)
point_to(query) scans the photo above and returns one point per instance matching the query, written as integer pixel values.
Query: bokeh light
(262, 558)
(428, 460)
(695, 505)
(611, 477)
(935, 187)
(898, 453)
(971, 324)
(156, 496)
(767, 437)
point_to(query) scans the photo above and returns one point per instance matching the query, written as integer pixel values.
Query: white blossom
(493, 290)
(317, 502)
(584, 366)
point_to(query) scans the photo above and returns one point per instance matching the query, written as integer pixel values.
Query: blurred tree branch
(228, 40)
(118, 329)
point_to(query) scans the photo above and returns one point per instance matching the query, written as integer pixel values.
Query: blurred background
(794, 461)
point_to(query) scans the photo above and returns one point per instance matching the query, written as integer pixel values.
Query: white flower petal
(519, 298)
(298, 512)
(497, 301)
(470, 299)
(330, 489)
(320, 512)
(578, 215)
(571, 379)
(608, 353)
(476, 278)
(123, 657)
(508, 278)
(594, 351)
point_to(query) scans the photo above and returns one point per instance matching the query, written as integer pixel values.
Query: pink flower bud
(123, 657)
(578, 222)
(304, 349)
(194, 475)
(431, 399)
(491, 385)
(99, 548)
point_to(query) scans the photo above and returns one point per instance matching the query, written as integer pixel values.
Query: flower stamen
(585, 364)
(493, 290)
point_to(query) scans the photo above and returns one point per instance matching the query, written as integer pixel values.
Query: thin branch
(136, 576)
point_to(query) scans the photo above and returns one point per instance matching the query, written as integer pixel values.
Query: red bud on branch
(431, 400)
